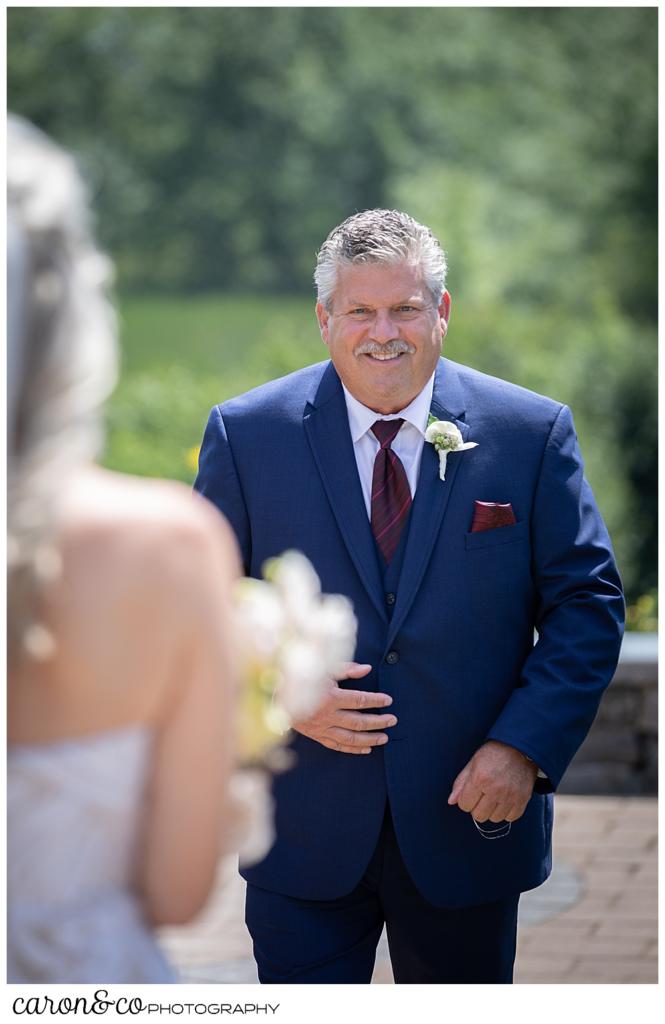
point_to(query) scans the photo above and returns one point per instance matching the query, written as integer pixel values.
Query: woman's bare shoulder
(139, 524)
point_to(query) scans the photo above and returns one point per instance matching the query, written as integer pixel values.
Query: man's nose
(382, 328)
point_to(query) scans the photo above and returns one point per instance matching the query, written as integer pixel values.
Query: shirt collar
(361, 419)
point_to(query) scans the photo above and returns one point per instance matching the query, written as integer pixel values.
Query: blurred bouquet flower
(291, 639)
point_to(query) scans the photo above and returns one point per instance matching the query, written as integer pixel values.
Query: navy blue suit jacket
(279, 463)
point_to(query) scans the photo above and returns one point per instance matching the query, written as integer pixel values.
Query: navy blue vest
(391, 573)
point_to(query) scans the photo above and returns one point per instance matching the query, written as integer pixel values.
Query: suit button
(392, 657)
(390, 598)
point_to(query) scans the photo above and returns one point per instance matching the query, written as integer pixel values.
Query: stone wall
(620, 754)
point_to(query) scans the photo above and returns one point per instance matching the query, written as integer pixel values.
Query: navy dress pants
(334, 941)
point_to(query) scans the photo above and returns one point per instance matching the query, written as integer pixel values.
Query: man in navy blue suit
(421, 796)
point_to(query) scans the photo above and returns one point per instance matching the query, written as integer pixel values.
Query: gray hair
(380, 236)
(62, 356)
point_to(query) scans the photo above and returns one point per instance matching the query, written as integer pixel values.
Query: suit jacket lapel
(327, 428)
(432, 494)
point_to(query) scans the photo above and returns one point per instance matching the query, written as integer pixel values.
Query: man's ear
(322, 315)
(444, 312)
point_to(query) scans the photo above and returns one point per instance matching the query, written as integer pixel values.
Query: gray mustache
(391, 348)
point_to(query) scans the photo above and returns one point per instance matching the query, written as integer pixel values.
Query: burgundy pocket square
(488, 515)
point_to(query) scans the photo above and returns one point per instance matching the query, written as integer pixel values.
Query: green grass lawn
(218, 334)
(182, 355)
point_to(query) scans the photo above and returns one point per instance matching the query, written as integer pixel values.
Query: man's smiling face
(384, 333)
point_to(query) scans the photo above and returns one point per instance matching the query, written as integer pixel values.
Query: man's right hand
(338, 723)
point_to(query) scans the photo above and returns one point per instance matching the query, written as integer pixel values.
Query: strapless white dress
(74, 814)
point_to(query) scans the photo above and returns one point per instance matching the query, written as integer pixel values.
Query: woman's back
(119, 741)
(133, 554)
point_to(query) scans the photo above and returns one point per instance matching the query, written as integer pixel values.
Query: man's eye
(407, 309)
(359, 310)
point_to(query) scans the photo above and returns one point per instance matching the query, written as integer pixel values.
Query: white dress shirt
(408, 444)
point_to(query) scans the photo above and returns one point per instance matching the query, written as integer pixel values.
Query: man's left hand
(496, 784)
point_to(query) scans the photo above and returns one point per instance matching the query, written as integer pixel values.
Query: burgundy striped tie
(391, 494)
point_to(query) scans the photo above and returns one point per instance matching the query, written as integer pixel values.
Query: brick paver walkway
(594, 920)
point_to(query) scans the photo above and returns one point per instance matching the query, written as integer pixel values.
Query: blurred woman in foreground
(120, 667)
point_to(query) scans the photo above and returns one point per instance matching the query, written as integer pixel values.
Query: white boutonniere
(446, 438)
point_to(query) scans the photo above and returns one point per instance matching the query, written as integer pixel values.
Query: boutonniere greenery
(446, 438)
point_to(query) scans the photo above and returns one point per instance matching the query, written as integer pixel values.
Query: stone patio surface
(594, 920)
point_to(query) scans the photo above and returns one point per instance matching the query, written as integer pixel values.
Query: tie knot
(385, 431)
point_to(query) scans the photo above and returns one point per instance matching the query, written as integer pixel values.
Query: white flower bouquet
(291, 639)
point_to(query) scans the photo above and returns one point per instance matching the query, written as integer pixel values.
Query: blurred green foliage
(222, 144)
(642, 616)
